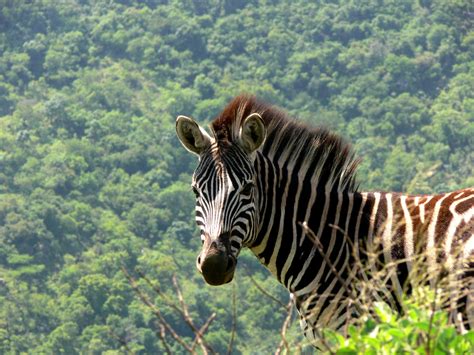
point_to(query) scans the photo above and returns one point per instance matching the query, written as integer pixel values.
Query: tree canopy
(93, 179)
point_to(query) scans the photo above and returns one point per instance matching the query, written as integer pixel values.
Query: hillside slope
(92, 177)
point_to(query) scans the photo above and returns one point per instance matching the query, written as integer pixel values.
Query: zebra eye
(195, 191)
(247, 189)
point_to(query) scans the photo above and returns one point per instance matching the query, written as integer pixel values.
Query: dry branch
(162, 321)
(180, 307)
(266, 293)
(234, 322)
(284, 328)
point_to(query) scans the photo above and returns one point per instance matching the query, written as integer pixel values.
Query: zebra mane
(291, 143)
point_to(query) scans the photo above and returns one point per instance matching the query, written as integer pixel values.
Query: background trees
(92, 177)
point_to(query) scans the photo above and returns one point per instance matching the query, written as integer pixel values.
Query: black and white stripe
(303, 179)
(224, 187)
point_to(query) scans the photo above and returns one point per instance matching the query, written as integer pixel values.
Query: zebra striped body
(266, 182)
(400, 226)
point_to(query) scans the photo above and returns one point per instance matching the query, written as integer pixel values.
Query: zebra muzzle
(216, 265)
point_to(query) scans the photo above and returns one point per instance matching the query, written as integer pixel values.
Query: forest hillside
(93, 180)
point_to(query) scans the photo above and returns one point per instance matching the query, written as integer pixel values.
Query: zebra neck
(286, 201)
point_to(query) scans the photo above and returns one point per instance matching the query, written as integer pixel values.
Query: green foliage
(418, 332)
(92, 177)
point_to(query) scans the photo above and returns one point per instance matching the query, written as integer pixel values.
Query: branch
(185, 314)
(121, 340)
(180, 307)
(273, 298)
(321, 251)
(145, 300)
(284, 328)
(202, 331)
(162, 335)
(234, 322)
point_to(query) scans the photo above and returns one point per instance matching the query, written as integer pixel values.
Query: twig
(284, 328)
(187, 318)
(180, 307)
(321, 251)
(314, 328)
(162, 336)
(121, 340)
(202, 331)
(234, 322)
(183, 311)
(144, 298)
(433, 309)
(260, 288)
(323, 341)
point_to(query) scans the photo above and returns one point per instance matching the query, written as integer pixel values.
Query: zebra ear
(193, 137)
(252, 133)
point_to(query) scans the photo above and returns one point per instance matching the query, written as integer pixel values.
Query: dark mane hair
(313, 148)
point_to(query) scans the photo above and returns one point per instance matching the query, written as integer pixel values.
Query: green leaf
(384, 312)
(373, 342)
(423, 326)
(469, 336)
(396, 333)
(334, 338)
(346, 351)
(369, 326)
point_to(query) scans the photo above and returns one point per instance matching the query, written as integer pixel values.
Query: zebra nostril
(199, 260)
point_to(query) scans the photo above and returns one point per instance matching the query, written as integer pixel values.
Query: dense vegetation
(92, 178)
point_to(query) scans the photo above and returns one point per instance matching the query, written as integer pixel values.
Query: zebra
(266, 181)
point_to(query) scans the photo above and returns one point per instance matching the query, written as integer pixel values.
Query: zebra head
(224, 183)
